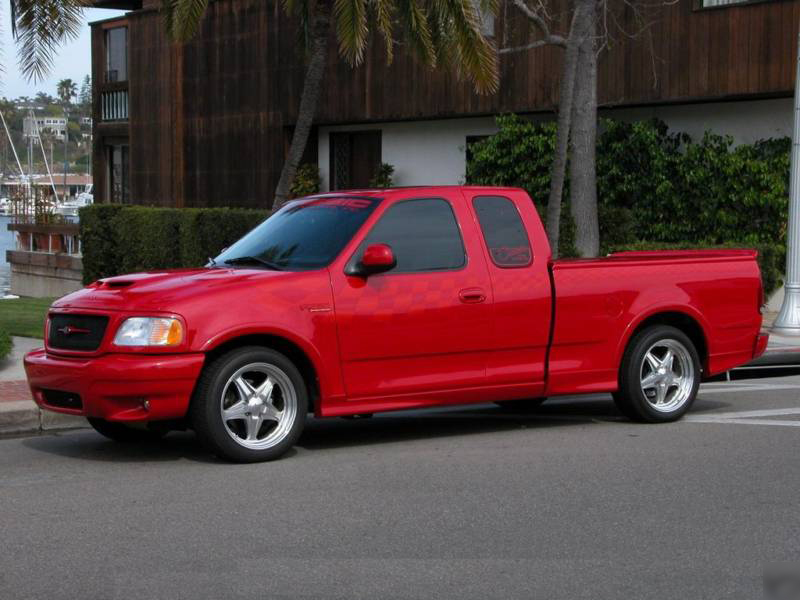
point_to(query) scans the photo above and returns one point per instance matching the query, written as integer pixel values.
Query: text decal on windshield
(349, 203)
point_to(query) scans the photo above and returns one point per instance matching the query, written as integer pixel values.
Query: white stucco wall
(746, 121)
(433, 152)
(422, 152)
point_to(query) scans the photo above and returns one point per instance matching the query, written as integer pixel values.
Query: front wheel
(659, 375)
(250, 405)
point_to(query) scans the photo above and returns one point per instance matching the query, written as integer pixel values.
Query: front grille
(61, 399)
(77, 332)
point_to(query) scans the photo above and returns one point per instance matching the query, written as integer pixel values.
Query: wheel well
(289, 349)
(683, 322)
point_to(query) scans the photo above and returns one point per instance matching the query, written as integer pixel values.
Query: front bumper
(116, 387)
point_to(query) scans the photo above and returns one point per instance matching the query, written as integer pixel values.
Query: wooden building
(207, 123)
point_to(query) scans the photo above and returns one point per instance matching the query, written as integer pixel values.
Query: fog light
(146, 404)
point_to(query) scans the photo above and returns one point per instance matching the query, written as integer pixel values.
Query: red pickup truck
(357, 302)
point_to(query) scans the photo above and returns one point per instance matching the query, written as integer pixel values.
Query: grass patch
(5, 344)
(24, 316)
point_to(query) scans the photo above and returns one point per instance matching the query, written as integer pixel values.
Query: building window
(485, 18)
(473, 139)
(117, 54)
(118, 174)
(355, 158)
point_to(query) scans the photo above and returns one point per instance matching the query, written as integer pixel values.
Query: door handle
(472, 295)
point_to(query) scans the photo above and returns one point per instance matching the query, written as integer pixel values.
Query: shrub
(771, 257)
(5, 344)
(99, 241)
(306, 181)
(125, 239)
(655, 185)
(384, 176)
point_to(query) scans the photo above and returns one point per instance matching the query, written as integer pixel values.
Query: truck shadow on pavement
(387, 428)
(91, 446)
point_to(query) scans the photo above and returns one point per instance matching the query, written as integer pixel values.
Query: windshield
(303, 235)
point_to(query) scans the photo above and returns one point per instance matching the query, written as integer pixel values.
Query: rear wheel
(250, 405)
(521, 405)
(120, 432)
(659, 375)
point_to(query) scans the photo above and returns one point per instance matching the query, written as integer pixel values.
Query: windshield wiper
(253, 260)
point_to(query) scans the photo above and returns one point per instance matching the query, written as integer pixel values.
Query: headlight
(149, 331)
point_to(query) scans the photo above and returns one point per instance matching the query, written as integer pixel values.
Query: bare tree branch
(541, 19)
(551, 40)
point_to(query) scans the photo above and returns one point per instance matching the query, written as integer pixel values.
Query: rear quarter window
(503, 231)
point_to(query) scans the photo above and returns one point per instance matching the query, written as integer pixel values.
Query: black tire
(526, 404)
(119, 432)
(229, 439)
(638, 405)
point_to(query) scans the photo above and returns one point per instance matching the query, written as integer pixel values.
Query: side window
(423, 234)
(503, 231)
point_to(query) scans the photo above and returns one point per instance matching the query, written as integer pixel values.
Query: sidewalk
(18, 413)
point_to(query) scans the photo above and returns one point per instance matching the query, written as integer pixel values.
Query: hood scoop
(117, 284)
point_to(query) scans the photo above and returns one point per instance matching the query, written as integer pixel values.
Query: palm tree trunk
(559, 166)
(312, 88)
(583, 168)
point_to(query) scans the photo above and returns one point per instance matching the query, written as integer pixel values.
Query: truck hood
(166, 290)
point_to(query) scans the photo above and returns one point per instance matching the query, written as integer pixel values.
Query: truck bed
(599, 302)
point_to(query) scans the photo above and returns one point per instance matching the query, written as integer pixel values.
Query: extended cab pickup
(352, 303)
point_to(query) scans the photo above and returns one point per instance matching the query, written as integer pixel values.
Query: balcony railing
(114, 105)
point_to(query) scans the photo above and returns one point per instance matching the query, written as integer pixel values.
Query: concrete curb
(25, 418)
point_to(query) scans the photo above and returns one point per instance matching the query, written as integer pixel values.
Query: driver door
(423, 326)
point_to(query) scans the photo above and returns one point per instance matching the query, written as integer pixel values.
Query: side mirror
(377, 258)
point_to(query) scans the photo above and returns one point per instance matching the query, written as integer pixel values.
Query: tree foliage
(655, 185)
(39, 28)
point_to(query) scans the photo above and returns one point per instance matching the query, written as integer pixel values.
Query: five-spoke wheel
(258, 405)
(659, 375)
(250, 405)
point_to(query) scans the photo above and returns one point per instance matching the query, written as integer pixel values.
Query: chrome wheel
(258, 406)
(667, 375)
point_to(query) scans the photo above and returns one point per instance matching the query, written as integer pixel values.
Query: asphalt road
(571, 502)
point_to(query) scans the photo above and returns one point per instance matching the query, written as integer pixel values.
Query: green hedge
(771, 257)
(652, 184)
(5, 344)
(126, 239)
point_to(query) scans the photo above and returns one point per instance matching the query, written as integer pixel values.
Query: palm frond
(384, 20)
(476, 56)
(300, 9)
(418, 30)
(351, 29)
(183, 17)
(39, 27)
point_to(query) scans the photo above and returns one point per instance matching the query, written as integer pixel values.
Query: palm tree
(439, 32)
(39, 27)
(66, 90)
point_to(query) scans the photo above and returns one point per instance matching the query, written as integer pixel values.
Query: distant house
(208, 122)
(34, 126)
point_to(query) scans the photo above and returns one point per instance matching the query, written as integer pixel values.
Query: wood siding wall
(209, 119)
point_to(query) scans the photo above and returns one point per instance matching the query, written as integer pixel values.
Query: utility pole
(788, 321)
